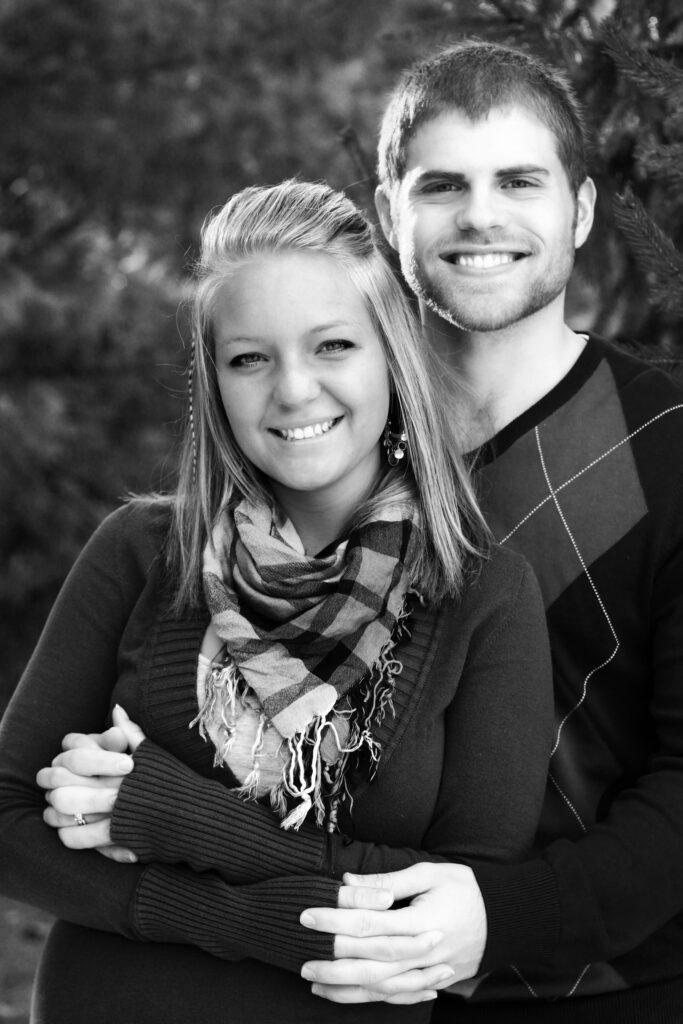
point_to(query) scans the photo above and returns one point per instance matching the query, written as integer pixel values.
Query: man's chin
(466, 317)
(472, 320)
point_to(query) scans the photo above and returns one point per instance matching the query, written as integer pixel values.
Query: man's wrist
(522, 912)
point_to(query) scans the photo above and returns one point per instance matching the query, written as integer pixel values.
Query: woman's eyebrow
(331, 325)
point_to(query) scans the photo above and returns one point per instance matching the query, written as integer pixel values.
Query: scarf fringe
(307, 780)
(324, 786)
(224, 687)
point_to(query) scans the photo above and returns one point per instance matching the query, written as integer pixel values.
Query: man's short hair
(474, 78)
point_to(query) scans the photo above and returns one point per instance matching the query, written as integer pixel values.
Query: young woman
(330, 668)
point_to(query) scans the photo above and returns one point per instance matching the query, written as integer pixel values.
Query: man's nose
(481, 209)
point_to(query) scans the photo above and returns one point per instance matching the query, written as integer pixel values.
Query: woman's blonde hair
(311, 217)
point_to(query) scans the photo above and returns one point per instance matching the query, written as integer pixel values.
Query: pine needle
(653, 251)
(653, 75)
(664, 162)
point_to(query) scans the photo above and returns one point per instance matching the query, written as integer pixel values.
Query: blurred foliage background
(125, 122)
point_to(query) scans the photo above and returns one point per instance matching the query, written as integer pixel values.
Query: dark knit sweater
(587, 485)
(462, 775)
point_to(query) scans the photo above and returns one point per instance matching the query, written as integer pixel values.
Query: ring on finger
(79, 819)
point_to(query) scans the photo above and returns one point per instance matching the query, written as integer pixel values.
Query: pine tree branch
(672, 125)
(664, 162)
(511, 10)
(653, 251)
(653, 76)
(363, 166)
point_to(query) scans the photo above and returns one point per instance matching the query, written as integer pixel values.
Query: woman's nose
(295, 384)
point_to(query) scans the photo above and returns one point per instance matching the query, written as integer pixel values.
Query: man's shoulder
(648, 397)
(639, 372)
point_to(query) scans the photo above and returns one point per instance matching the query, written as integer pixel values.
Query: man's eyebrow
(426, 177)
(458, 178)
(521, 170)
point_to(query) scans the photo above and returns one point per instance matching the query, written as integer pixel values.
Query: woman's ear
(383, 207)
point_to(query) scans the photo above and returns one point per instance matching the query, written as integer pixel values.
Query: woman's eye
(246, 359)
(335, 345)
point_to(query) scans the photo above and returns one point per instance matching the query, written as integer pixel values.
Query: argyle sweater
(587, 485)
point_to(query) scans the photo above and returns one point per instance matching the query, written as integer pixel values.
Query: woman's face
(303, 378)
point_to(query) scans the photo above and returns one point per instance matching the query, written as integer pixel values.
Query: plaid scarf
(301, 632)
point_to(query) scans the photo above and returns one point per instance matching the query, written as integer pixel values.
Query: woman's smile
(310, 432)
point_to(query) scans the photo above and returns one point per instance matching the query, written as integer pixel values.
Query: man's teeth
(483, 260)
(312, 430)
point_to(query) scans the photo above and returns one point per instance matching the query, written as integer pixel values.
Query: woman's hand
(83, 783)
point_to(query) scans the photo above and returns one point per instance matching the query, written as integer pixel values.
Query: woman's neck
(318, 520)
(322, 516)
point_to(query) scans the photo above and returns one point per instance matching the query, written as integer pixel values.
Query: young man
(484, 195)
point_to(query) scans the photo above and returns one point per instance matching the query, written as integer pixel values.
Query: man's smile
(482, 258)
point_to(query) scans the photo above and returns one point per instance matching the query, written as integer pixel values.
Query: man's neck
(505, 372)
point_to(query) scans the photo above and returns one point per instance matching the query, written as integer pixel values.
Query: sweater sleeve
(498, 730)
(167, 812)
(174, 904)
(67, 687)
(601, 895)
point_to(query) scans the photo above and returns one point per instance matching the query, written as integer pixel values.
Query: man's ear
(383, 207)
(585, 208)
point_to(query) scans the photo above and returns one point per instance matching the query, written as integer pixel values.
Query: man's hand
(400, 955)
(84, 781)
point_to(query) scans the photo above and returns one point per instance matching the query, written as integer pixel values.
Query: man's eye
(440, 186)
(520, 183)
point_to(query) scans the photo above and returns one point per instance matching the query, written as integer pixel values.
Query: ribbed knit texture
(261, 921)
(158, 816)
(522, 912)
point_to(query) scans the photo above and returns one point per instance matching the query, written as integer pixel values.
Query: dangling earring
(395, 444)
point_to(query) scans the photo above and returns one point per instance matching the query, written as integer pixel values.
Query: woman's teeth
(300, 433)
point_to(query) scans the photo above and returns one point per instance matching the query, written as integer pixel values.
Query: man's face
(484, 219)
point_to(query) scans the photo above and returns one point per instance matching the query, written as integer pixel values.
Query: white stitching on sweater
(585, 469)
(588, 576)
(523, 980)
(578, 981)
(566, 799)
(529, 987)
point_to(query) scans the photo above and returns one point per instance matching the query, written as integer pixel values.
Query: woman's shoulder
(503, 564)
(501, 581)
(138, 528)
